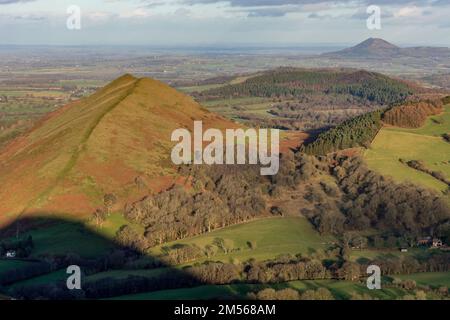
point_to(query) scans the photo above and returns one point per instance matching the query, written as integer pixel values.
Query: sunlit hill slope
(101, 144)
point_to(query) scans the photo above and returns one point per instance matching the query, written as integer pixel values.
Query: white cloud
(136, 13)
(409, 12)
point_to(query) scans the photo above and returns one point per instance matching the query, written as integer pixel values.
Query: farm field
(270, 237)
(425, 144)
(435, 279)
(341, 290)
(68, 237)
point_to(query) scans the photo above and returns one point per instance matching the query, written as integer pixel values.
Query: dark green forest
(294, 83)
(356, 132)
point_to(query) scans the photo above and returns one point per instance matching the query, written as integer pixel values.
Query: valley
(89, 181)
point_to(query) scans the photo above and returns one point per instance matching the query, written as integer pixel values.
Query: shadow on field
(45, 246)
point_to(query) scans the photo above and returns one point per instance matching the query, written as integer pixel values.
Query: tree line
(412, 114)
(356, 132)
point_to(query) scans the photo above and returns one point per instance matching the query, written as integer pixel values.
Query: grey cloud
(13, 1)
(267, 13)
(265, 3)
(315, 15)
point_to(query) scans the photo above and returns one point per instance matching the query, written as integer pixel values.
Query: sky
(222, 22)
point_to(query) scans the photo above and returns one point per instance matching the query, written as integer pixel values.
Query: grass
(6, 265)
(199, 88)
(234, 102)
(434, 279)
(372, 254)
(67, 237)
(52, 277)
(424, 144)
(272, 236)
(122, 274)
(339, 289)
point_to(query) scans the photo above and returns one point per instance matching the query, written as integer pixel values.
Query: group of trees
(318, 111)
(220, 196)
(100, 214)
(446, 137)
(382, 90)
(359, 131)
(421, 166)
(292, 83)
(291, 294)
(368, 200)
(355, 198)
(446, 100)
(412, 114)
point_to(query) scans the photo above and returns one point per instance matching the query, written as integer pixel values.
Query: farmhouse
(10, 254)
(430, 242)
(424, 241)
(437, 243)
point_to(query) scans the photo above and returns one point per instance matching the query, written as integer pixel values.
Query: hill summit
(372, 47)
(376, 48)
(114, 141)
(375, 45)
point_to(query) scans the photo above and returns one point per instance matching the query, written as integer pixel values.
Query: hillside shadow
(312, 136)
(45, 246)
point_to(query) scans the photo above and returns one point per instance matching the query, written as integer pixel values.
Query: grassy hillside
(425, 143)
(271, 237)
(98, 145)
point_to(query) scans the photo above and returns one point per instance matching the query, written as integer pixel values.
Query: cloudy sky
(223, 22)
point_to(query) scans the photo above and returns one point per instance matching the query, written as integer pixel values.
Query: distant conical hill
(371, 47)
(115, 141)
(375, 48)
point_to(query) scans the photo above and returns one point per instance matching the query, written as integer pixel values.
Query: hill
(376, 48)
(102, 144)
(370, 47)
(300, 98)
(295, 83)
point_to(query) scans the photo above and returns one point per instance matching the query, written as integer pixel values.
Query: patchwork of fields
(339, 289)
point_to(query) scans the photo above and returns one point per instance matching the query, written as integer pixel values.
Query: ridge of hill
(298, 82)
(101, 144)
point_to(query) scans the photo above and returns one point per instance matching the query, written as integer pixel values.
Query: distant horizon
(304, 45)
(268, 23)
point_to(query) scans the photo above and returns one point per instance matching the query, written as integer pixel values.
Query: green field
(339, 289)
(67, 237)
(52, 277)
(435, 279)
(426, 144)
(272, 236)
(6, 265)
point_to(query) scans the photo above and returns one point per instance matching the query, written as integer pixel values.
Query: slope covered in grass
(270, 237)
(425, 144)
(95, 146)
